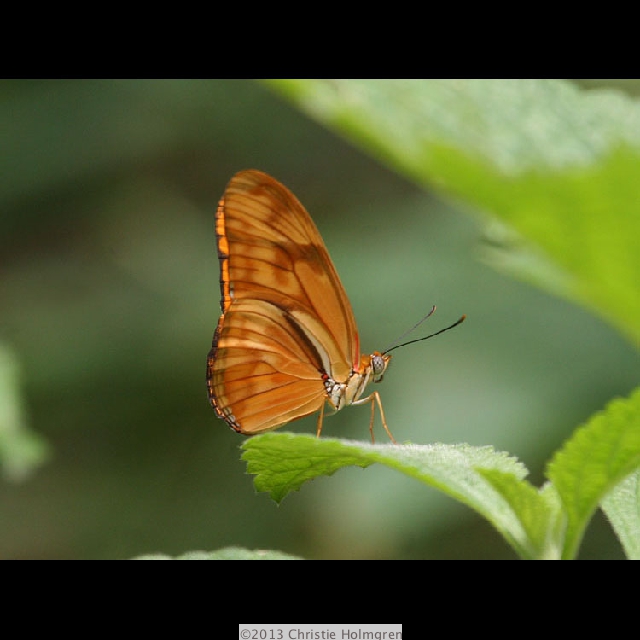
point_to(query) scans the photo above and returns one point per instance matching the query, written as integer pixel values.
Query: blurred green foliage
(558, 165)
(21, 450)
(109, 296)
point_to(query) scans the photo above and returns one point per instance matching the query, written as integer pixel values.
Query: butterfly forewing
(278, 255)
(286, 318)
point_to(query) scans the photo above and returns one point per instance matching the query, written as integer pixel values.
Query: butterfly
(286, 344)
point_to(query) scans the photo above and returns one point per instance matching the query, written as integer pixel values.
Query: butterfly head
(378, 363)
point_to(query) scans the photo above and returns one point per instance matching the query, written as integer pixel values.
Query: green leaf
(21, 451)
(228, 553)
(538, 511)
(282, 462)
(598, 456)
(622, 508)
(558, 165)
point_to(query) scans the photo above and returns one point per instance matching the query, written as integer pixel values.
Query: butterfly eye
(378, 366)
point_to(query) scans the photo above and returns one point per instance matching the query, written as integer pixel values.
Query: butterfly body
(287, 342)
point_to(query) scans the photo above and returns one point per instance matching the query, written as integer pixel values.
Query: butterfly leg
(320, 418)
(375, 396)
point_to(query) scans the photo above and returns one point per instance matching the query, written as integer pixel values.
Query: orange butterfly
(287, 341)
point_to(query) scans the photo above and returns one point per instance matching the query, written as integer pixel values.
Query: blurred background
(109, 297)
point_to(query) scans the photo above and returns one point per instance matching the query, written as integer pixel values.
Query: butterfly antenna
(433, 335)
(406, 333)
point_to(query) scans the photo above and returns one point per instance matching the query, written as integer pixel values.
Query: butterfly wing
(286, 319)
